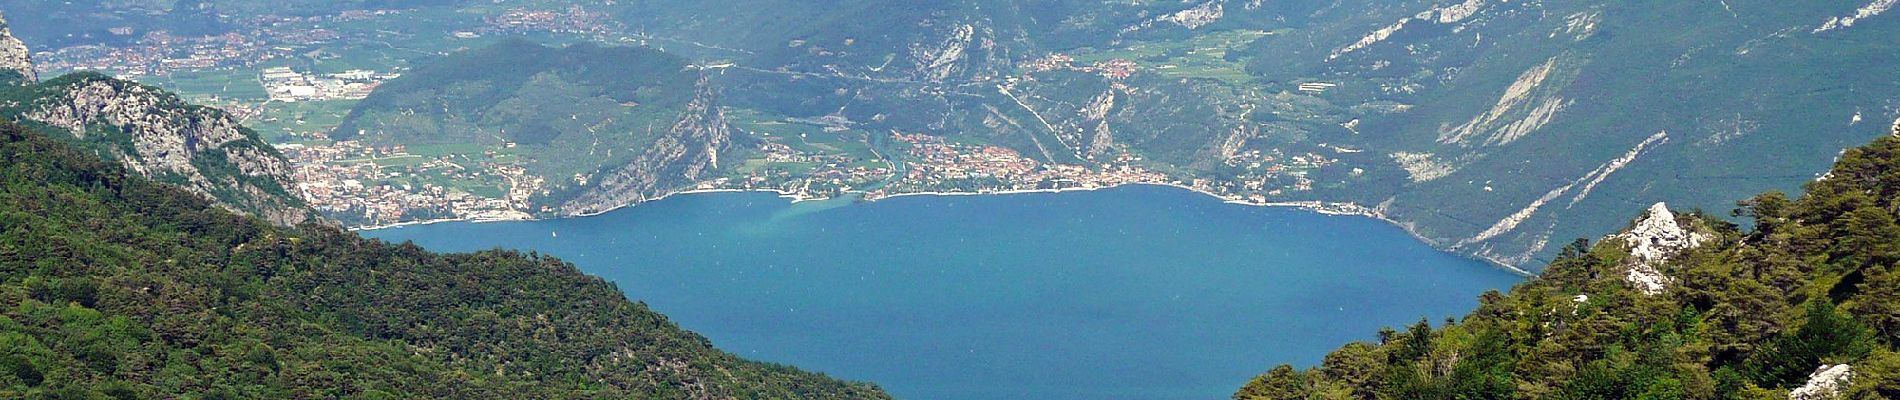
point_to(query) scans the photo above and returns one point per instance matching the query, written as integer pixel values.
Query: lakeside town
(937, 166)
(364, 185)
(369, 186)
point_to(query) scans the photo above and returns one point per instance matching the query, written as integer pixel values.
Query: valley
(1402, 110)
(738, 163)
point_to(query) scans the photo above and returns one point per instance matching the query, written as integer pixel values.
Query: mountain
(124, 287)
(156, 134)
(1678, 306)
(16, 60)
(595, 127)
(1492, 128)
(1486, 127)
(1525, 122)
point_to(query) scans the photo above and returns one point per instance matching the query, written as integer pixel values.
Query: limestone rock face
(1199, 16)
(681, 157)
(154, 133)
(14, 56)
(1653, 240)
(1825, 383)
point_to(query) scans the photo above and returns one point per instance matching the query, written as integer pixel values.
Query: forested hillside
(117, 286)
(1805, 305)
(159, 136)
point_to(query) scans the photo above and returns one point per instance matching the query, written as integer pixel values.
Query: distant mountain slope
(158, 135)
(602, 126)
(1493, 128)
(1804, 306)
(936, 40)
(1528, 122)
(1488, 127)
(122, 287)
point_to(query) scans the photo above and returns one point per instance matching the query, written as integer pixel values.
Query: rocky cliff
(158, 135)
(1651, 241)
(686, 153)
(15, 59)
(155, 134)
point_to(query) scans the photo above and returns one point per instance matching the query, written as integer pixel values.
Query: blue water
(1142, 292)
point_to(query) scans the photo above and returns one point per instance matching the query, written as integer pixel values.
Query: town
(285, 84)
(937, 166)
(365, 185)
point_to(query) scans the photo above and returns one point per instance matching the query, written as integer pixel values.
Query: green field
(1201, 56)
(445, 149)
(281, 121)
(803, 137)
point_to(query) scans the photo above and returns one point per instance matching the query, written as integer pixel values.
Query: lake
(1141, 292)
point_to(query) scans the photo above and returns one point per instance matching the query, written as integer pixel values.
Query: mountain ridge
(156, 134)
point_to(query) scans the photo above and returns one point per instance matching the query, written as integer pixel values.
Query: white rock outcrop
(1370, 39)
(1456, 12)
(1825, 383)
(1588, 182)
(1191, 18)
(168, 139)
(1579, 26)
(1523, 108)
(943, 59)
(14, 56)
(1194, 18)
(1653, 240)
(1864, 12)
(1422, 167)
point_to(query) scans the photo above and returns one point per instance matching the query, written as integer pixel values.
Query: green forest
(118, 287)
(1749, 314)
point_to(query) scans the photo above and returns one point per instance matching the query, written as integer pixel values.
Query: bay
(1140, 292)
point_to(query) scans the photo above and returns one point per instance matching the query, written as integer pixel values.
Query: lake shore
(777, 281)
(1321, 207)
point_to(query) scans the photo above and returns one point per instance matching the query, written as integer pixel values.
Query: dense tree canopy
(114, 286)
(1749, 314)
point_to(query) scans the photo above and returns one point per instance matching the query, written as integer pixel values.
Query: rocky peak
(1825, 383)
(942, 60)
(1655, 238)
(14, 56)
(156, 134)
(1196, 17)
